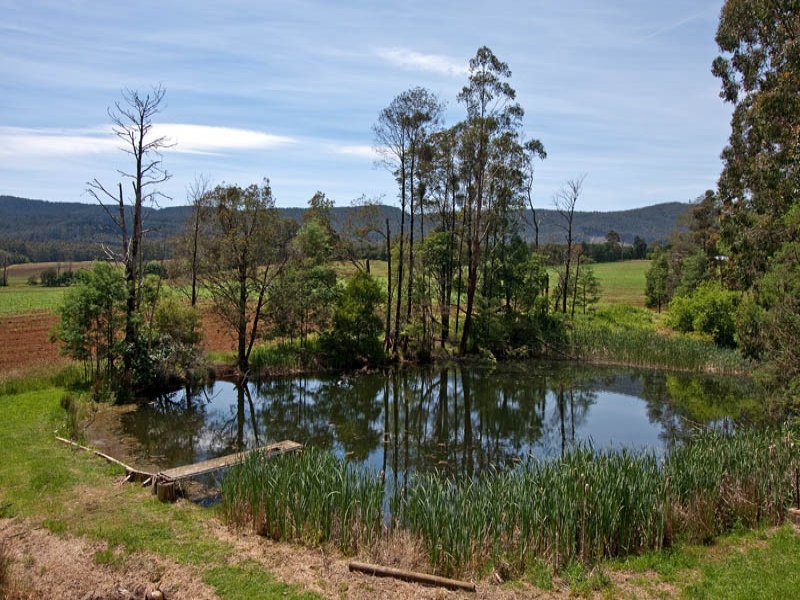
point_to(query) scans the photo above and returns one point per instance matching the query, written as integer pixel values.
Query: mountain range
(39, 221)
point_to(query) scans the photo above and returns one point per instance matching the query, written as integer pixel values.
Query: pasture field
(19, 297)
(622, 282)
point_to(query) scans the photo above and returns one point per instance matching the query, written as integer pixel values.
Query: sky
(619, 90)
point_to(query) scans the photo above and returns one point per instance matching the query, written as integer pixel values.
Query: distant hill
(39, 221)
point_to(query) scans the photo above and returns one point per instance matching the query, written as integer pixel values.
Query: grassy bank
(73, 493)
(584, 507)
(636, 337)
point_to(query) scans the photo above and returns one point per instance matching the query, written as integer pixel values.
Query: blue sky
(618, 90)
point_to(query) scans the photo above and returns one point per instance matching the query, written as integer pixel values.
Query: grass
(24, 299)
(19, 297)
(70, 494)
(581, 508)
(628, 335)
(622, 282)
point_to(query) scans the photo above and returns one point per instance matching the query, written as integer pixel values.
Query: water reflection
(460, 420)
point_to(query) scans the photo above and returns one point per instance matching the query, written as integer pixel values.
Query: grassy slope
(50, 483)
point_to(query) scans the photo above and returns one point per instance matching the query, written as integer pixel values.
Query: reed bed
(311, 497)
(647, 348)
(583, 507)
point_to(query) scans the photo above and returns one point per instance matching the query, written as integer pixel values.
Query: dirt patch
(217, 335)
(326, 572)
(44, 565)
(25, 342)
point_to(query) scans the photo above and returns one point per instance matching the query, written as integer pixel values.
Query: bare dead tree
(132, 120)
(196, 193)
(565, 200)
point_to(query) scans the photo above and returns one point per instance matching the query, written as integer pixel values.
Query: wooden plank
(207, 466)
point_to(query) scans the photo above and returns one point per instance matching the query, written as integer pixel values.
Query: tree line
(735, 274)
(460, 276)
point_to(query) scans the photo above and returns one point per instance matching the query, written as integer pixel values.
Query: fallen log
(424, 578)
(130, 472)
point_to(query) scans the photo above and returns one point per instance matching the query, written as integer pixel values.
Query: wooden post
(166, 491)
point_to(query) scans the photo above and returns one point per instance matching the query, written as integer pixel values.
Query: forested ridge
(72, 230)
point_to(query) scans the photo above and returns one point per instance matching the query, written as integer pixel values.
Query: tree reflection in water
(457, 419)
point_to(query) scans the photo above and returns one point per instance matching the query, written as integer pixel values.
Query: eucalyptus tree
(132, 120)
(244, 247)
(492, 111)
(399, 134)
(533, 151)
(759, 188)
(441, 174)
(565, 201)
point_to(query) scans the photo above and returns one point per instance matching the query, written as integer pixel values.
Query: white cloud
(209, 139)
(417, 61)
(362, 151)
(16, 142)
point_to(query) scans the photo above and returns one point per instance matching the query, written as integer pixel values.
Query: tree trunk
(388, 335)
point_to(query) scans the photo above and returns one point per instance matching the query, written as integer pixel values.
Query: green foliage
(156, 268)
(625, 335)
(708, 310)
(356, 324)
(511, 334)
(656, 291)
(694, 271)
(174, 340)
(51, 277)
(92, 319)
(588, 292)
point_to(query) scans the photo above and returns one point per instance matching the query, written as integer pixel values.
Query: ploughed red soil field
(25, 340)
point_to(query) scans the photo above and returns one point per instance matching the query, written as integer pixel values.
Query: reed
(585, 506)
(647, 348)
(311, 497)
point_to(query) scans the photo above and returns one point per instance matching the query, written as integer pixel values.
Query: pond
(455, 418)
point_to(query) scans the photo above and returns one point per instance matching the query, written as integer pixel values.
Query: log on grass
(381, 571)
(134, 474)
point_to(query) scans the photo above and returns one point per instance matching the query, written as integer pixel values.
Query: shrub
(353, 341)
(709, 310)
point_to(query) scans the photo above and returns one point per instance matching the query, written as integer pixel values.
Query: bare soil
(25, 342)
(44, 565)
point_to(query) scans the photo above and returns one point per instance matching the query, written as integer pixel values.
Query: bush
(354, 339)
(709, 310)
(512, 334)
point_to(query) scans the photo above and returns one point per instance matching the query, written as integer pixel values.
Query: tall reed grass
(584, 506)
(647, 348)
(311, 497)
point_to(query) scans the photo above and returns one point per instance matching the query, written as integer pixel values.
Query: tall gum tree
(400, 132)
(491, 112)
